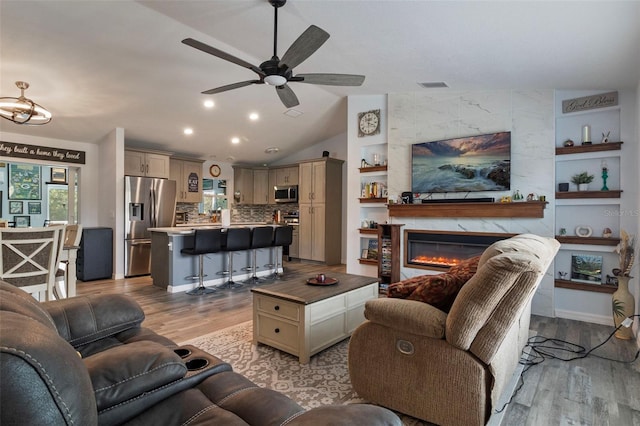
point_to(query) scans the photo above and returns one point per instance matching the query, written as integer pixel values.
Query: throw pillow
(437, 290)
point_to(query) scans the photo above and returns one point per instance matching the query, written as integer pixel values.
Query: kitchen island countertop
(188, 229)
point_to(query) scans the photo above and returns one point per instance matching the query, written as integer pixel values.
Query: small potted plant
(582, 180)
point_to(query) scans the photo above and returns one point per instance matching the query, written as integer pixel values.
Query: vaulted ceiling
(98, 65)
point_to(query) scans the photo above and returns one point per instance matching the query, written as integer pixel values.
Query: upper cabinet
(287, 176)
(281, 176)
(261, 186)
(312, 182)
(188, 177)
(243, 185)
(144, 163)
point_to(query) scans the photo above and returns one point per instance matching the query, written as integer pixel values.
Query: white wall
(101, 201)
(591, 306)
(90, 171)
(432, 115)
(111, 189)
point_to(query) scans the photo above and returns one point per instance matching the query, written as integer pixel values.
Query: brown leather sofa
(87, 361)
(451, 368)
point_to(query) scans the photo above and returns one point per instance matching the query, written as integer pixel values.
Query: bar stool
(204, 241)
(238, 239)
(261, 237)
(282, 236)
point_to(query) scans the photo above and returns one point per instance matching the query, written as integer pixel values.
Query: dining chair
(28, 258)
(71, 241)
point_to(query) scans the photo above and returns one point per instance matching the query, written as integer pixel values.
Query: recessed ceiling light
(254, 116)
(235, 140)
(209, 103)
(293, 113)
(272, 150)
(433, 84)
(188, 131)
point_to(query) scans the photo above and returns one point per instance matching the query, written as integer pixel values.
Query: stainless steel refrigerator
(149, 203)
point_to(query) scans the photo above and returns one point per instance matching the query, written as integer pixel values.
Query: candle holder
(586, 135)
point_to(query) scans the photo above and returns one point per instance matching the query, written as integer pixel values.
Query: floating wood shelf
(373, 200)
(368, 261)
(373, 169)
(609, 146)
(599, 241)
(597, 288)
(587, 194)
(526, 209)
(368, 230)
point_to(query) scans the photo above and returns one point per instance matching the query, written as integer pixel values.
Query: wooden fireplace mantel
(524, 209)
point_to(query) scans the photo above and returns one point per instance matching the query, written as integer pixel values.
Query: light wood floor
(590, 391)
(182, 317)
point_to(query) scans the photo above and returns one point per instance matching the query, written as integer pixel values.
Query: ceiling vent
(293, 113)
(433, 84)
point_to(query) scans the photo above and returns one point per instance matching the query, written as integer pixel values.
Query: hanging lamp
(23, 110)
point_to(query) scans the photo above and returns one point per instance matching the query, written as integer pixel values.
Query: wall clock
(369, 123)
(214, 170)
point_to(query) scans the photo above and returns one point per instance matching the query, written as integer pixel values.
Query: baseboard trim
(581, 316)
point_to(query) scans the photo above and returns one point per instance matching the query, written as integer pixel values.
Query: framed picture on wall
(58, 175)
(24, 182)
(586, 268)
(34, 207)
(22, 221)
(15, 207)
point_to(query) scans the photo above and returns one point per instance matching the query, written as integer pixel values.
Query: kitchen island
(171, 270)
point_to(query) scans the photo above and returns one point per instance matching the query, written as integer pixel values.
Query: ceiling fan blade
(308, 42)
(231, 87)
(288, 98)
(331, 79)
(222, 55)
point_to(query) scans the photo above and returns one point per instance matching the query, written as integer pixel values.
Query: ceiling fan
(278, 72)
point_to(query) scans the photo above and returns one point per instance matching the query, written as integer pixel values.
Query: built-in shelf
(525, 209)
(599, 241)
(368, 261)
(588, 194)
(368, 230)
(373, 200)
(577, 149)
(373, 169)
(597, 288)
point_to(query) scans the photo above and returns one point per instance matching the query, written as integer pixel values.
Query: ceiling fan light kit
(278, 72)
(23, 110)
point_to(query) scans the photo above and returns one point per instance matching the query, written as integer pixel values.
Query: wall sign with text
(44, 153)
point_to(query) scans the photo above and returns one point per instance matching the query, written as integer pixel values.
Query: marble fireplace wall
(416, 117)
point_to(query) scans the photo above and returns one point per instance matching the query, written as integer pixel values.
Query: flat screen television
(468, 164)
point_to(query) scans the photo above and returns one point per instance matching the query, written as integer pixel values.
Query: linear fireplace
(440, 250)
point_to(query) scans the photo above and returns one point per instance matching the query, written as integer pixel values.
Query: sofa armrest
(130, 371)
(350, 414)
(82, 320)
(408, 315)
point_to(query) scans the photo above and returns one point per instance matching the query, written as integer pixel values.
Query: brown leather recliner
(87, 361)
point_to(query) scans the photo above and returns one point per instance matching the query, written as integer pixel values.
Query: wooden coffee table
(303, 319)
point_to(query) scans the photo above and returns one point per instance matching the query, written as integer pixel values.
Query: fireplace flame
(436, 260)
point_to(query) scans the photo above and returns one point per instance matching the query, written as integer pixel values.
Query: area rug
(324, 381)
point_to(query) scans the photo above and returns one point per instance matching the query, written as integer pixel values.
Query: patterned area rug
(324, 381)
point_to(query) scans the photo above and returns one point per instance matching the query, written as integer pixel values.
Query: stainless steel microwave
(286, 194)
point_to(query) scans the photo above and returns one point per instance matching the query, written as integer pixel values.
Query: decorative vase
(583, 187)
(623, 306)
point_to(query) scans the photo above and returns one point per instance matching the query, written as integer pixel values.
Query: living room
(532, 114)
